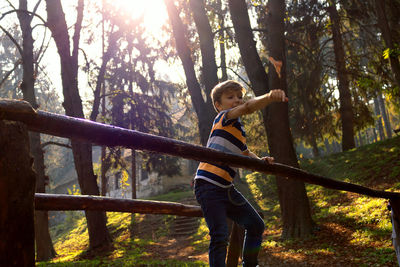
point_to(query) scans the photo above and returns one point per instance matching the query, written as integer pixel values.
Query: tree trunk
(314, 82)
(17, 189)
(133, 170)
(292, 195)
(385, 117)
(204, 110)
(379, 120)
(375, 135)
(367, 136)
(346, 108)
(247, 46)
(101, 89)
(327, 147)
(103, 177)
(221, 37)
(107, 55)
(206, 37)
(315, 149)
(294, 203)
(383, 24)
(44, 245)
(96, 221)
(360, 140)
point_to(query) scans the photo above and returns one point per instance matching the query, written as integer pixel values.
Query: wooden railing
(107, 135)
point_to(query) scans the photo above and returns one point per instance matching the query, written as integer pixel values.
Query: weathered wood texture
(17, 188)
(235, 246)
(108, 135)
(68, 202)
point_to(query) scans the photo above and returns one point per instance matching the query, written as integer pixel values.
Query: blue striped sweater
(227, 136)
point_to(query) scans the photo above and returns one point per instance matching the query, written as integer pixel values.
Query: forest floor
(351, 230)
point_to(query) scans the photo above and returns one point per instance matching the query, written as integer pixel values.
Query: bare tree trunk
(17, 189)
(221, 37)
(206, 37)
(294, 203)
(100, 86)
(103, 177)
(292, 195)
(315, 148)
(133, 170)
(375, 135)
(96, 221)
(44, 245)
(346, 107)
(360, 140)
(204, 109)
(379, 120)
(385, 117)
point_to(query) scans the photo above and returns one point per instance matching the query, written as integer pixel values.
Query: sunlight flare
(153, 12)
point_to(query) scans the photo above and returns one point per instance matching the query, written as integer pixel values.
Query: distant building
(148, 184)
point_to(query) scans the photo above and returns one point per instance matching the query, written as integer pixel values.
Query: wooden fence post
(235, 245)
(17, 189)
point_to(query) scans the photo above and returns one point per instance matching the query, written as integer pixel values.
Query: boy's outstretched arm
(257, 103)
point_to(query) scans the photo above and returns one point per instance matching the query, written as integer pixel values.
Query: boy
(214, 189)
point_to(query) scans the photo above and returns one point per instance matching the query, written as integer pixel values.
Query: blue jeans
(218, 204)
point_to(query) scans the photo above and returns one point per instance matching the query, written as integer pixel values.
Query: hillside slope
(351, 230)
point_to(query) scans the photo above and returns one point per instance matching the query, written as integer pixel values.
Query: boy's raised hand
(278, 95)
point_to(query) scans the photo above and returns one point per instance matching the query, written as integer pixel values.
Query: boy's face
(229, 99)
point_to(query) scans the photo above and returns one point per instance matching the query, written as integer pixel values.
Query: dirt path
(179, 248)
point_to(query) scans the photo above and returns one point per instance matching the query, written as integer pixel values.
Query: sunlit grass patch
(263, 189)
(269, 244)
(118, 220)
(71, 245)
(328, 251)
(201, 238)
(369, 210)
(360, 237)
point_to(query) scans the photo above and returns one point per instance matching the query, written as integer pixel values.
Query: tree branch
(18, 62)
(26, 11)
(56, 143)
(240, 77)
(78, 27)
(12, 40)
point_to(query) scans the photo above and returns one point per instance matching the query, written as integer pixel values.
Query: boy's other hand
(269, 160)
(278, 95)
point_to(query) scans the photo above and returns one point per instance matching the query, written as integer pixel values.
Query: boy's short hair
(222, 87)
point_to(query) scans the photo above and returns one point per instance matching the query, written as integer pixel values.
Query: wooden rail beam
(79, 202)
(101, 134)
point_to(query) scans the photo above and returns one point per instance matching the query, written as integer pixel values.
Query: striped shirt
(227, 136)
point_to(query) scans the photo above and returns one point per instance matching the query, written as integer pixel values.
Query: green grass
(353, 228)
(173, 196)
(374, 164)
